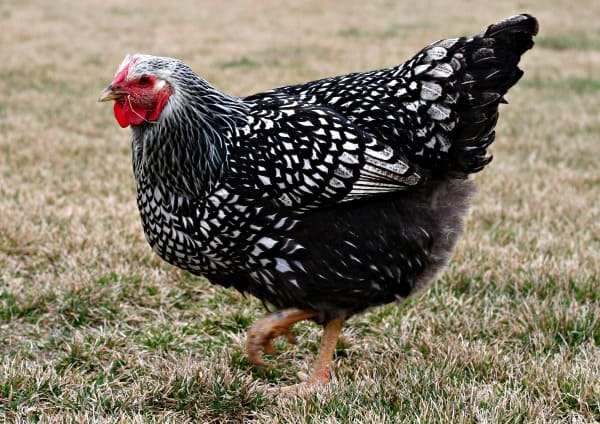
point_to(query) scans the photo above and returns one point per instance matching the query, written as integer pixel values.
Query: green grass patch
(392, 31)
(243, 62)
(586, 41)
(575, 85)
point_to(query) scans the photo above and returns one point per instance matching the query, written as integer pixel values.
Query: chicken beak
(109, 94)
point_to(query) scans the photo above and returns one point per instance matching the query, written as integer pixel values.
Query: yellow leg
(273, 325)
(321, 372)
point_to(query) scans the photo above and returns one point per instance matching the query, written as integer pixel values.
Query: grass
(574, 41)
(95, 328)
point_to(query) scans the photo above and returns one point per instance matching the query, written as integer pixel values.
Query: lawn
(94, 327)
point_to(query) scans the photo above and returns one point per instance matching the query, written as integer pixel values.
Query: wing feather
(304, 156)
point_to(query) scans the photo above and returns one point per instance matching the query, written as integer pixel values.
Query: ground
(94, 327)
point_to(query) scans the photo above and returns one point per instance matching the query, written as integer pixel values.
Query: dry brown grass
(93, 327)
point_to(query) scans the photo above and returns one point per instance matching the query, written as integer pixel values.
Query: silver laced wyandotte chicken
(321, 199)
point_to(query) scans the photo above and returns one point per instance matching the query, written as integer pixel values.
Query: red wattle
(119, 115)
(126, 115)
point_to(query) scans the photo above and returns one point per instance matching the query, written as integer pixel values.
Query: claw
(268, 348)
(291, 337)
(262, 333)
(303, 388)
(303, 377)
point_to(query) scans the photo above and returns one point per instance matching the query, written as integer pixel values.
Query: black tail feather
(491, 69)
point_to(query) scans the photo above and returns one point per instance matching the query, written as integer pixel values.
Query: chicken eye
(144, 80)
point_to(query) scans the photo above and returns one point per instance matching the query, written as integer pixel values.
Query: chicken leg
(271, 326)
(278, 323)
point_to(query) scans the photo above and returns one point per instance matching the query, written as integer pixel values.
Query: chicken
(320, 199)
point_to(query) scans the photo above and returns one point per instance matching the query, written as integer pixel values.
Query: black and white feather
(334, 195)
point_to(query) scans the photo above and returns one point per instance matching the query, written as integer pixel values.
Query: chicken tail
(491, 59)
(461, 82)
